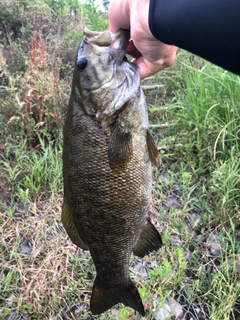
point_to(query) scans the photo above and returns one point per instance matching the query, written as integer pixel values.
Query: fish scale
(107, 171)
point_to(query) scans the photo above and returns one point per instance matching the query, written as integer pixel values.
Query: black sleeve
(207, 28)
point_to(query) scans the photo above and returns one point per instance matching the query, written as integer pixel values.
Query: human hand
(150, 54)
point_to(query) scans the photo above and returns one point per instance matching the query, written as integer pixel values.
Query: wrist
(119, 14)
(139, 15)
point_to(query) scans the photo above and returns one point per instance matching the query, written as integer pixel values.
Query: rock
(175, 240)
(199, 315)
(10, 300)
(140, 268)
(176, 308)
(163, 313)
(12, 316)
(79, 310)
(238, 267)
(213, 244)
(170, 309)
(25, 247)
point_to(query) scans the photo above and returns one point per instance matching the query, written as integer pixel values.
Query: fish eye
(82, 63)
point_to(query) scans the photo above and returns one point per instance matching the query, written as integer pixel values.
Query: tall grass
(205, 110)
(207, 106)
(32, 174)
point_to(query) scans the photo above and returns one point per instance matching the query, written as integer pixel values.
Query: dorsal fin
(152, 150)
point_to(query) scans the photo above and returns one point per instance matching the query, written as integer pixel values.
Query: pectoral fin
(103, 298)
(152, 150)
(70, 227)
(120, 146)
(149, 240)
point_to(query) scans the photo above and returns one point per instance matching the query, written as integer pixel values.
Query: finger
(144, 69)
(113, 27)
(148, 68)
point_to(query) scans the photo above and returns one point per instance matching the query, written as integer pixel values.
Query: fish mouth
(121, 34)
(120, 41)
(117, 70)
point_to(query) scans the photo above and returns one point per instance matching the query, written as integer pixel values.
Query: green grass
(195, 119)
(33, 174)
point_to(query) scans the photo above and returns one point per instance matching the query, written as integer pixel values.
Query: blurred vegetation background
(194, 113)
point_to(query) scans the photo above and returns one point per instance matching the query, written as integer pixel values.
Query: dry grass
(43, 275)
(36, 259)
(3, 68)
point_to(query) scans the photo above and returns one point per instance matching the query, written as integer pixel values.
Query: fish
(108, 154)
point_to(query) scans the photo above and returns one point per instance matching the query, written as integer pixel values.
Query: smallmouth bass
(107, 156)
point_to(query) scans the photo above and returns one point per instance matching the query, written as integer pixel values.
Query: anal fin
(103, 298)
(149, 240)
(152, 150)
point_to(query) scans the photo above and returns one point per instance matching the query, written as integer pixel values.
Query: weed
(93, 17)
(225, 186)
(34, 172)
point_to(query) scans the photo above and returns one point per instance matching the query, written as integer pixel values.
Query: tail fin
(103, 298)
